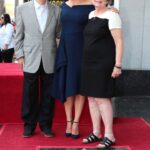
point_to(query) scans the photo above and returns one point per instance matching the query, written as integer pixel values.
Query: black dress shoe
(28, 133)
(47, 132)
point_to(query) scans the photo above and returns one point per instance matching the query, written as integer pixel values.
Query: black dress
(98, 59)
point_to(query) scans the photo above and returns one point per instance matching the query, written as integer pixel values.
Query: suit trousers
(37, 103)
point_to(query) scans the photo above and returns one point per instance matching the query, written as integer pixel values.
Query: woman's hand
(116, 72)
(113, 9)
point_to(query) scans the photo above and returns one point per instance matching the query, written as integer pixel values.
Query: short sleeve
(91, 14)
(114, 21)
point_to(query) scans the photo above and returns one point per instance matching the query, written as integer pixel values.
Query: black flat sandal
(91, 139)
(107, 144)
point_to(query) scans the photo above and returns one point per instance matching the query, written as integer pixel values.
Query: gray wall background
(135, 16)
(1, 7)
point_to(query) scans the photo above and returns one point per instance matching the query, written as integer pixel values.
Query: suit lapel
(50, 15)
(34, 16)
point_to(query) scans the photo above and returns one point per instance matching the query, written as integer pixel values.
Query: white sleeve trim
(114, 21)
(91, 14)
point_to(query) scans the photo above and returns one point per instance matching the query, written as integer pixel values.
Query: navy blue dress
(69, 54)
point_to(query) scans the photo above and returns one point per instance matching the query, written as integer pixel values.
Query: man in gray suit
(36, 32)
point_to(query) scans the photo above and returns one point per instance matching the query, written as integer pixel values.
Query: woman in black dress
(102, 57)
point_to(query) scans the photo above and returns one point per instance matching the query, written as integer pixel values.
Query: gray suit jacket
(33, 45)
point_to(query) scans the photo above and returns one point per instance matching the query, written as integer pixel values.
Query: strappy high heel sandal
(68, 134)
(91, 139)
(75, 136)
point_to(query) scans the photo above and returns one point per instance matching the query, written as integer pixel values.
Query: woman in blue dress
(74, 17)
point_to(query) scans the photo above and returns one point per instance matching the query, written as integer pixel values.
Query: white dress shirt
(42, 14)
(7, 36)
